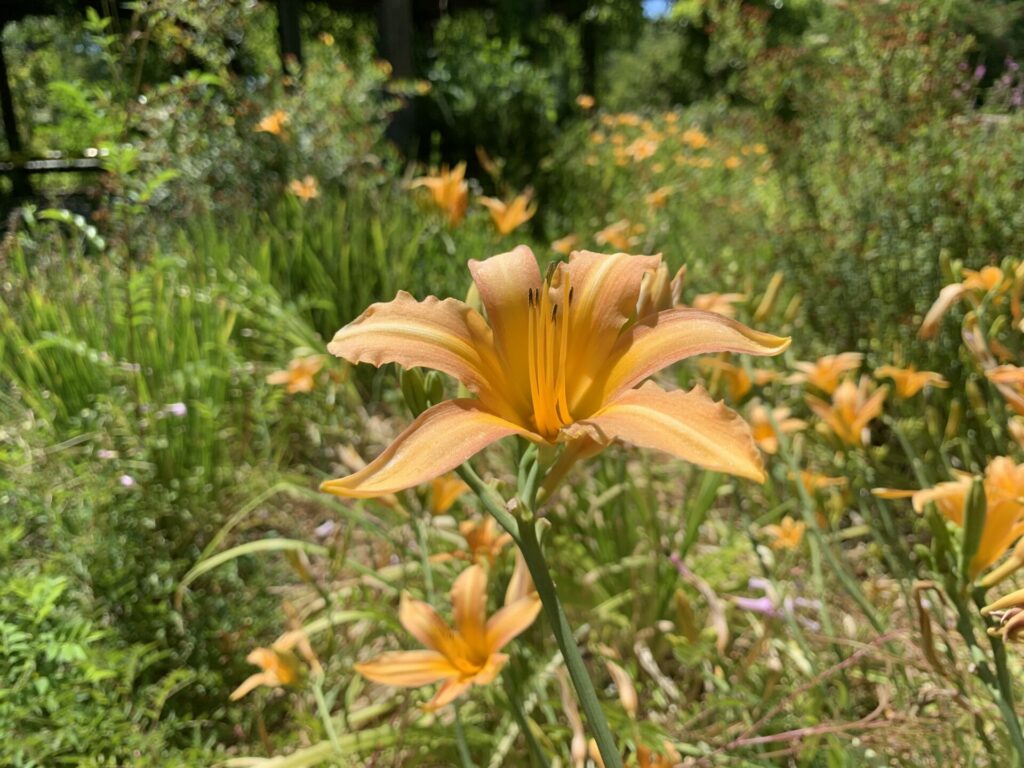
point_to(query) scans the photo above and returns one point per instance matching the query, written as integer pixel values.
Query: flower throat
(548, 340)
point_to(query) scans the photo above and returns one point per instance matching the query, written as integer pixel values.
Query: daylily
(449, 191)
(507, 217)
(975, 281)
(279, 666)
(273, 123)
(761, 427)
(659, 292)
(306, 189)
(585, 101)
(696, 138)
(722, 303)
(1004, 508)
(852, 408)
(738, 381)
(1009, 612)
(445, 490)
(812, 481)
(1009, 380)
(658, 197)
(825, 372)
(300, 374)
(787, 534)
(910, 381)
(619, 235)
(565, 245)
(470, 654)
(483, 542)
(641, 149)
(557, 360)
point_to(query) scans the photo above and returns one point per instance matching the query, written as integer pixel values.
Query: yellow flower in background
(641, 149)
(307, 189)
(558, 360)
(585, 101)
(852, 408)
(273, 123)
(813, 482)
(619, 235)
(732, 162)
(445, 490)
(507, 217)
(470, 654)
(565, 245)
(761, 427)
(975, 281)
(787, 534)
(909, 381)
(722, 303)
(449, 191)
(825, 372)
(483, 542)
(695, 138)
(279, 666)
(1004, 508)
(738, 381)
(658, 197)
(300, 376)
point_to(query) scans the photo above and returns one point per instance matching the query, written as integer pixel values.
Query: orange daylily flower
(619, 235)
(812, 481)
(738, 381)
(585, 101)
(641, 149)
(466, 655)
(557, 360)
(279, 666)
(483, 541)
(507, 217)
(565, 245)
(852, 408)
(761, 426)
(449, 191)
(305, 189)
(722, 303)
(1004, 508)
(695, 137)
(445, 490)
(273, 123)
(787, 534)
(658, 197)
(910, 381)
(732, 162)
(300, 375)
(975, 281)
(825, 372)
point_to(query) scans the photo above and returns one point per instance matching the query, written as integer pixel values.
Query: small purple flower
(1016, 98)
(106, 453)
(757, 605)
(979, 71)
(176, 409)
(127, 481)
(1011, 65)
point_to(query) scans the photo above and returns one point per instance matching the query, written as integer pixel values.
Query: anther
(571, 289)
(554, 312)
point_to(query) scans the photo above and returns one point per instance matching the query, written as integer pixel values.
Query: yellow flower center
(548, 348)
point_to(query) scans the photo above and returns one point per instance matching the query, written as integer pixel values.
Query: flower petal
(504, 282)
(407, 668)
(469, 605)
(511, 621)
(442, 437)
(448, 336)
(447, 693)
(605, 292)
(423, 623)
(948, 296)
(252, 682)
(676, 334)
(688, 425)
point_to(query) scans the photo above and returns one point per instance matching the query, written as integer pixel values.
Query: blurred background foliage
(247, 208)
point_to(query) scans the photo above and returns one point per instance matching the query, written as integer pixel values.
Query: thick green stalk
(534, 557)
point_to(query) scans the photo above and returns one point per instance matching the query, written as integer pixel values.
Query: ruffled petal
(442, 437)
(688, 425)
(511, 621)
(448, 336)
(676, 334)
(408, 669)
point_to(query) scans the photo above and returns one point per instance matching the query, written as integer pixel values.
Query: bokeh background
(197, 195)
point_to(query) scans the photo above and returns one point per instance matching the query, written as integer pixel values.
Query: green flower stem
(534, 557)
